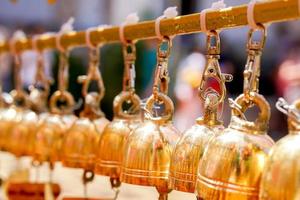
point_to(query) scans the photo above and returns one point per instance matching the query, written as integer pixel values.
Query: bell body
(49, 137)
(233, 162)
(8, 119)
(81, 142)
(20, 138)
(187, 155)
(280, 179)
(147, 155)
(111, 146)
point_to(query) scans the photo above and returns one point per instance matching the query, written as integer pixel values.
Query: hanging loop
(93, 73)
(161, 77)
(257, 45)
(213, 44)
(252, 67)
(129, 54)
(40, 76)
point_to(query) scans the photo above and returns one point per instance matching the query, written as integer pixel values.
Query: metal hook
(252, 67)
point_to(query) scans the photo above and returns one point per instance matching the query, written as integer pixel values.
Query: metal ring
(257, 45)
(164, 53)
(67, 97)
(214, 49)
(120, 99)
(259, 101)
(169, 108)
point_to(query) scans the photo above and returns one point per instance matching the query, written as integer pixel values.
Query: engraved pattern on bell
(147, 155)
(114, 137)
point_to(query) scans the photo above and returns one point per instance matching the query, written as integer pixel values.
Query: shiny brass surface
(147, 154)
(112, 141)
(49, 137)
(8, 118)
(81, 142)
(280, 179)
(21, 137)
(264, 12)
(232, 164)
(187, 155)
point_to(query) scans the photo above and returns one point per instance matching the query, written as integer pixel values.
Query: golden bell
(147, 154)
(81, 140)
(280, 179)
(113, 139)
(23, 126)
(232, 163)
(189, 150)
(7, 114)
(51, 132)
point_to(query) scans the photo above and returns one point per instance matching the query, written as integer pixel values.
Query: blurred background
(280, 65)
(280, 60)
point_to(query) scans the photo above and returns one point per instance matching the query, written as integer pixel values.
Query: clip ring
(257, 45)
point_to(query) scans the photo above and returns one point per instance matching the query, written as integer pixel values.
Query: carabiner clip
(252, 67)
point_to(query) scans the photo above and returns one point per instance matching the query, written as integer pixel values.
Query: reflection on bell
(51, 132)
(149, 147)
(189, 150)
(81, 140)
(114, 137)
(280, 179)
(233, 162)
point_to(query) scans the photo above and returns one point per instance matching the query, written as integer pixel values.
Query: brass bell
(24, 122)
(51, 132)
(113, 139)
(6, 115)
(81, 140)
(188, 151)
(148, 150)
(232, 164)
(280, 179)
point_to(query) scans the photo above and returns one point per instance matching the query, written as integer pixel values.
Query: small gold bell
(50, 135)
(81, 140)
(114, 137)
(147, 154)
(6, 116)
(280, 179)
(51, 132)
(24, 122)
(232, 164)
(188, 152)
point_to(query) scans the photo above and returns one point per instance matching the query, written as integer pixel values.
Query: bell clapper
(115, 185)
(87, 177)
